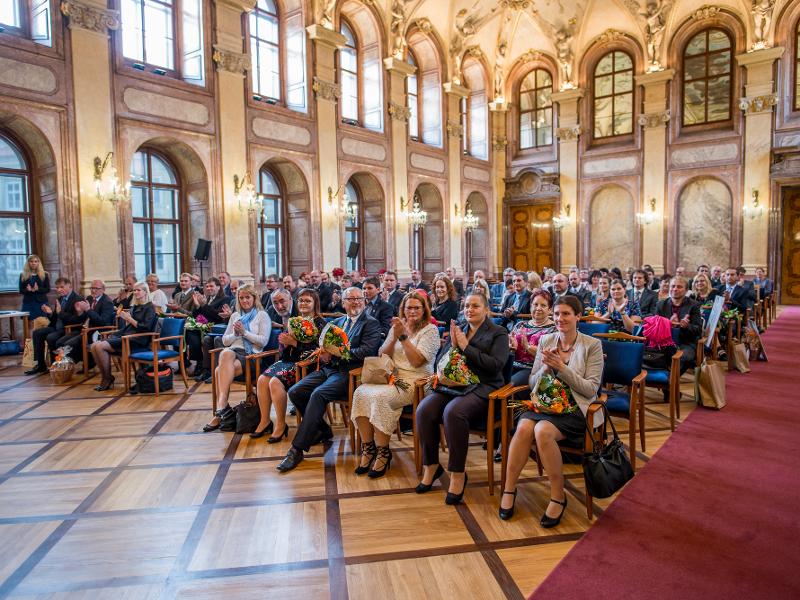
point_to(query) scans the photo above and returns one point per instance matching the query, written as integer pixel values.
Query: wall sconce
(754, 210)
(333, 199)
(404, 207)
(469, 222)
(109, 187)
(648, 216)
(562, 220)
(244, 192)
(417, 217)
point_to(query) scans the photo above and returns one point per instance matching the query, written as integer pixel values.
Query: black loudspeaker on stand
(352, 251)
(201, 254)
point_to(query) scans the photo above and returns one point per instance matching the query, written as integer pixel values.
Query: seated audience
(197, 283)
(498, 290)
(391, 293)
(485, 348)
(481, 287)
(377, 307)
(290, 285)
(34, 285)
(445, 305)
(61, 315)
(141, 318)
(737, 295)
(601, 293)
(183, 299)
(271, 283)
(702, 291)
(642, 294)
(764, 284)
(157, 296)
(578, 289)
(247, 333)
(534, 282)
(312, 394)
(517, 302)
(125, 294)
(623, 314)
(747, 285)
(357, 278)
(324, 290)
(576, 360)
(458, 285)
(684, 313)
(716, 276)
(274, 383)
(416, 282)
(225, 279)
(525, 336)
(663, 286)
(215, 309)
(476, 276)
(97, 311)
(281, 307)
(412, 344)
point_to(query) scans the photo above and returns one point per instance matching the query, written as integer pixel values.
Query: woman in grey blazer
(576, 360)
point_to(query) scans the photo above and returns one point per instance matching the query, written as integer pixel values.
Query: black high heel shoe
(267, 429)
(367, 449)
(385, 454)
(278, 438)
(507, 513)
(453, 499)
(105, 385)
(426, 487)
(220, 415)
(548, 522)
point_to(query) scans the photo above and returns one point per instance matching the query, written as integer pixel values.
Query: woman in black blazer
(34, 285)
(444, 307)
(485, 348)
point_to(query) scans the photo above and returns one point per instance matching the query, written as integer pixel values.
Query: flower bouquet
(551, 397)
(198, 323)
(303, 329)
(452, 371)
(333, 340)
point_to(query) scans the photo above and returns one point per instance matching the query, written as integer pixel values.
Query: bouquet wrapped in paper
(334, 341)
(452, 370)
(198, 323)
(303, 329)
(552, 397)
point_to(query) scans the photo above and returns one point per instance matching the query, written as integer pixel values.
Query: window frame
(178, 221)
(722, 124)
(535, 109)
(28, 215)
(252, 74)
(358, 228)
(359, 121)
(24, 31)
(281, 227)
(418, 96)
(620, 136)
(796, 68)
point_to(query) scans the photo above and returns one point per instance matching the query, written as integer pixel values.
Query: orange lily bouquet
(551, 397)
(334, 341)
(304, 330)
(453, 371)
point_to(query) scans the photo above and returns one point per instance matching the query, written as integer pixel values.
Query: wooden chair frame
(246, 368)
(86, 332)
(129, 363)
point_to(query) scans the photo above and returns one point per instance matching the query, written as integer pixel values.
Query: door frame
(533, 201)
(784, 174)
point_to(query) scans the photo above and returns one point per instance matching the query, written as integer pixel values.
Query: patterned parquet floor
(104, 495)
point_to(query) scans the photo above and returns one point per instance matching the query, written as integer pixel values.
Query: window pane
(543, 79)
(269, 71)
(350, 194)
(411, 84)
(271, 214)
(192, 25)
(529, 82)
(271, 250)
(268, 184)
(605, 65)
(623, 82)
(623, 115)
(413, 119)
(13, 193)
(348, 59)
(14, 250)
(158, 35)
(165, 244)
(139, 167)
(719, 64)
(349, 98)
(697, 45)
(432, 111)
(719, 98)
(477, 126)
(695, 68)
(141, 248)
(140, 207)
(373, 95)
(717, 40)
(162, 172)
(544, 127)
(10, 158)
(526, 101)
(40, 22)
(544, 97)
(603, 86)
(164, 204)
(132, 35)
(525, 131)
(602, 117)
(9, 13)
(296, 64)
(622, 61)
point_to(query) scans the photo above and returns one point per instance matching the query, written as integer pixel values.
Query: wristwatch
(403, 337)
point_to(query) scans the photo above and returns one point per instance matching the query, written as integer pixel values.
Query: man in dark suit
(312, 394)
(737, 295)
(517, 302)
(182, 300)
(97, 310)
(323, 289)
(684, 313)
(225, 280)
(62, 315)
(376, 307)
(417, 283)
(640, 293)
(457, 283)
(281, 307)
(577, 288)
(271, 284)
(391, 293)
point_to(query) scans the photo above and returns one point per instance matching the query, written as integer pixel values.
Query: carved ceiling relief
(530, 185)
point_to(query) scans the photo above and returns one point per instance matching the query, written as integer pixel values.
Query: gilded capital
(568, 134)
(499, 143)
(326, 90)
(233, 62)
(454, 129)
(398, 112)
(92, 18)
(653, 120)
(758, 104)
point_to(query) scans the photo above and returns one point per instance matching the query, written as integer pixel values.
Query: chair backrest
(171, 326)
(623, 361)
(590, 328)
(218, 329)
(272, 344)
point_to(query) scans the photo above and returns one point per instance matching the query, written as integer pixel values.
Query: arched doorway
(364, 223)
(428, 241)
(476, 241)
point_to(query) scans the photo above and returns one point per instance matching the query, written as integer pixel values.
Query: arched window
(707, 79)
(270, 52)
(16, 219)
(427, 82)
(536, 110)
(352, 225)
(361, 100)
(270, 226)
(412, 93)
(476, 111)
(164, 37)
(348, 75)
(156, 212)
(613, 95)
(27, 18)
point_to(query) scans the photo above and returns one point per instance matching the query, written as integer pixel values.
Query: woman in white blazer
(576, 360)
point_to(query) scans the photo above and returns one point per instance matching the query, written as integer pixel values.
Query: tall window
(536, 110)
(155, 32)
(477, 111)
(613, 95)
(707, 80)
(155, 206)
(361, 100)
(27, 18)
(348, 75)
(270, 226)
(268, 35)
(412, 93)
(15, 213)
(352, 225)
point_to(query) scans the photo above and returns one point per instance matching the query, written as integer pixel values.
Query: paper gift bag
(28, 361)
(377, 369)
(40, 322)
(711, 385)
(740, 360)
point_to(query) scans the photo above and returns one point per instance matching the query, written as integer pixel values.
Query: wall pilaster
(568, 134)
(499, 145)
(455, 133)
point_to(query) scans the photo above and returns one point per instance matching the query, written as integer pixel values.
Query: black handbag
(658, 359)
(247, 416)
(606, 469)
(145, 380)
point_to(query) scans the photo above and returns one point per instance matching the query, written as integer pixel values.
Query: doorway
(790, 249)
(531, 239)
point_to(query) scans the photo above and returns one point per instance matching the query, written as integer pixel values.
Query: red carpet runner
(716, 512)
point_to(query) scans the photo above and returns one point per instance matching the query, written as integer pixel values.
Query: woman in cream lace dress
(412, 343)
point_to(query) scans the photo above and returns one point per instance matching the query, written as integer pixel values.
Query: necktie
(637, 296)
(92, 303)
(63, 302)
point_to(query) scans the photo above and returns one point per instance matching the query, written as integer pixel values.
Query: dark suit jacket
(508, 302)
(584, 295)
(445, 312)
(325, 292)
(67, 316)
(486, 355)
(418, 286)
(689, 335)
(648, 301)
(394, 300)
(102, 314)
(459, 286)
(741, 297)
(365, 340)
(275, 317)
(381, 311)
(187, 305)
(211, 310)
(40, 295)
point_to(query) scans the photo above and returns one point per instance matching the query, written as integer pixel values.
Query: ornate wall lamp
(648, 216)
(753, 210)
(562, 220)
(244, 192)
(106, 184)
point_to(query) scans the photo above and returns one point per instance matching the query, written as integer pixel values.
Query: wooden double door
(531, 245)
(790, 253)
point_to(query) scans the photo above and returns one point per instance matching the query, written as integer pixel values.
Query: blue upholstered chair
(593, 327)
(166, 345)
(623, 367)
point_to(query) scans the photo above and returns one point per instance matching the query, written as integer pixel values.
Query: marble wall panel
(477, 174)
(611, 228)
(610, 166)
(49, 229)
(283, 132)
(705, 214)
(27, 76)
(363, 149)
(158, 105)
(298, 236)
(428, 163)
(700, 155)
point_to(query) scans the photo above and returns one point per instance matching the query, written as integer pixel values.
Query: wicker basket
(62, 376)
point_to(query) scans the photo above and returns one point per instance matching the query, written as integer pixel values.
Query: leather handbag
(606, 468)
(247, 416)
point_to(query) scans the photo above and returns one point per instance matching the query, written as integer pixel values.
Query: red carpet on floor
(716, 512)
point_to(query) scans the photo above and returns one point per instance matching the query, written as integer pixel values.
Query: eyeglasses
(413, 308)
(95, 288)
(355, 299)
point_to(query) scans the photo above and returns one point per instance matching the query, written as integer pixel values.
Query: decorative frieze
(232, 62)
(705, 12)
(568, 134)
(454, 129)
(499, 143)
(326, 90)
(89, 17)
(610, 35)
(398, 112)
(424, 25)
(653, 120)
(516, 4)
(758, 104)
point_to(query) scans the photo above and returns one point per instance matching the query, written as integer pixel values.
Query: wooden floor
(109, 496)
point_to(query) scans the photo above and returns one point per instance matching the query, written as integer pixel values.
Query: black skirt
(571, 425)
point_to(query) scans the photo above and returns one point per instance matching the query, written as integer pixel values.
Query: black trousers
(311, 396)
(209, 343)
(52, 336)
(455, 412)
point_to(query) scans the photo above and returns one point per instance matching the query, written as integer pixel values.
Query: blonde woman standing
(34, 285)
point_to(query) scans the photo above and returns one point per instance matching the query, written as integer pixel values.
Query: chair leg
(672, 408)
(214, 384)
(490, 457)
(155, 375)
(183, 371)
(641, 417)
(632, 440)
(589, 506)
